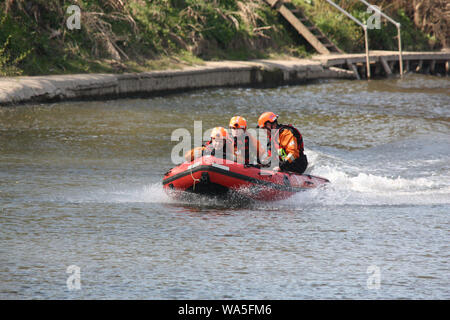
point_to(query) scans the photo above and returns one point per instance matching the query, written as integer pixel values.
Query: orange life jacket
(288, 143)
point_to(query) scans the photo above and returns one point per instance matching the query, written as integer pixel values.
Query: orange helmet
(266, 116)
(219, 132)
(238, 122)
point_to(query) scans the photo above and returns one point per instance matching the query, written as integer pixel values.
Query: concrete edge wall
(20, 90)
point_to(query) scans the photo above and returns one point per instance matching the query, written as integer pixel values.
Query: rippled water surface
(80, 184)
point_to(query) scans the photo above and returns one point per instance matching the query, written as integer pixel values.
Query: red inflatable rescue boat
(212, 176)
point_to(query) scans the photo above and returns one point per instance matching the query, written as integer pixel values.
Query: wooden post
(400, 53)
(446, 67)
(385, 65)
(433, 66)
(407, 66)
(378, 69)
(391, 65)
(354, 68)
(367, 52)
(419, 67)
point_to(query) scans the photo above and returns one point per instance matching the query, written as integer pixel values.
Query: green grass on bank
(135, 35)
(350, 36)
(140, 35)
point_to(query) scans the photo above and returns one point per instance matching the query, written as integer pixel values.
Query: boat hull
(216, 177)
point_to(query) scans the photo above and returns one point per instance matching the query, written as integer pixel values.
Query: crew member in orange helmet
(288, 142)
(246, 147)
(218, 146)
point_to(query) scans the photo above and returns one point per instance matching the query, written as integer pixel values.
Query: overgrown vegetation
(138, 35)
(425, 23)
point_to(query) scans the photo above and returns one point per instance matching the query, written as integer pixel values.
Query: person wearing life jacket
(218, 145)
(247, 148)
(288, 142)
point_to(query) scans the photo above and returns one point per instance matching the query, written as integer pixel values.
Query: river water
(80, 186)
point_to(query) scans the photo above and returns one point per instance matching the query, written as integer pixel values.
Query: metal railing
(366, 36)
(398, 25)
(365, 33)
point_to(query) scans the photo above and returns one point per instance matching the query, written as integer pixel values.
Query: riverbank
(213, 74)
(63, 38)
(19, 90)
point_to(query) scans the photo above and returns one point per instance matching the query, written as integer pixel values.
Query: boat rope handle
(193, 178)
